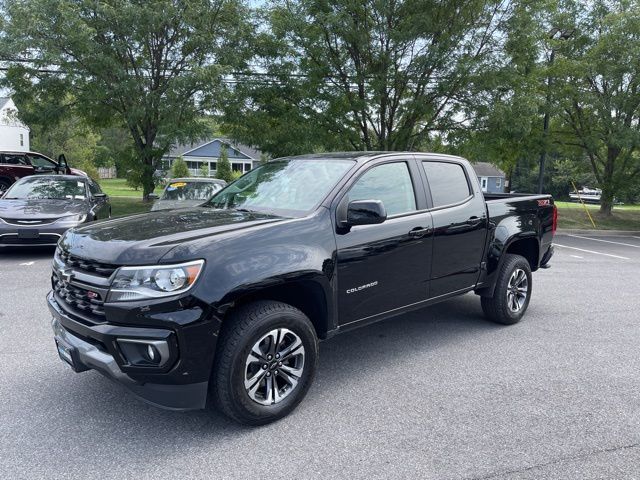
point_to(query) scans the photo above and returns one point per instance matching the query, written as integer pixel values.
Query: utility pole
(545, 126)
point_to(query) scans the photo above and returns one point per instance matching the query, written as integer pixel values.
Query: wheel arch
(308, 295)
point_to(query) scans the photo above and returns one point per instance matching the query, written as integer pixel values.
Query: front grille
(88, 266)
(28, 222)
(83, 301)
(42, 239)
(80, 286)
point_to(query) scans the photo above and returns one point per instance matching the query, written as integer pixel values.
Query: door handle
(474, 221)
(420, 232)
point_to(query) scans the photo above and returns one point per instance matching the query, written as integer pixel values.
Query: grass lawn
(128, 205)
(572, 215)
(117, 187)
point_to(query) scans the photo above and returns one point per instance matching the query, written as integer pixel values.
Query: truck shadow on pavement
(348, 359)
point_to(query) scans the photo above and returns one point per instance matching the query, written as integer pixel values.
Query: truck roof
(364, 156)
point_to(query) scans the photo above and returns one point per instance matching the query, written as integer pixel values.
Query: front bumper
(11, 235)
(95, 347)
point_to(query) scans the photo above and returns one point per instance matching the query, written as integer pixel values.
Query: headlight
(72, 219)
(138, 283)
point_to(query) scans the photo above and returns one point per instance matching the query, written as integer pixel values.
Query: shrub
(179, 168)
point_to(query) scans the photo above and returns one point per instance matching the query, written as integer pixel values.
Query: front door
(384, 267)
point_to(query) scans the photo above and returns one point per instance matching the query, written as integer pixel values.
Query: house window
(483, 183)
(21, 140)
(247, 167)
(236, 167)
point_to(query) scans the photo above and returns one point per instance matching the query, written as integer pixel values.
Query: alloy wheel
(517, 290)
(274, 366)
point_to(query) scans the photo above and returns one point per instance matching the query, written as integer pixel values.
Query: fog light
(144, 353)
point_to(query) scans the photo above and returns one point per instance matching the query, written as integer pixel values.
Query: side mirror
(153, 196)
(365, 212)
(63, 165)
(99, 195)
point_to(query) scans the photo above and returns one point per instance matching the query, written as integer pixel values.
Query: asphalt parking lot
(439, 393)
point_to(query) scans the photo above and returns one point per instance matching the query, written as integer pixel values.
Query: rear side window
(390, 183)
(447, 182)
(13, 159)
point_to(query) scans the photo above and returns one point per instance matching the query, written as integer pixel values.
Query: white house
(207, 152)
(14, 135)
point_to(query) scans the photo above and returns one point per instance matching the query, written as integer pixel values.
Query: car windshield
(47, 188)
(183, 190)
(283, 187)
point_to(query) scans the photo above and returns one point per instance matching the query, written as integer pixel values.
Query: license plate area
(28, 233)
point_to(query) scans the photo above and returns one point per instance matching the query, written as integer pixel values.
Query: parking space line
(576, 256)
(591, 251)
(604, 241)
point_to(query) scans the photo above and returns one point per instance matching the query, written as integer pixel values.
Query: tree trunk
(608, 190)
(148, 183)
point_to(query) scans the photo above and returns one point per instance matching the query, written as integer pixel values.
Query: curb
(601, 233)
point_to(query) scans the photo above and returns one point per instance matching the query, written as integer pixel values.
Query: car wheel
(265, 363)
(512, 292)
(4, 186)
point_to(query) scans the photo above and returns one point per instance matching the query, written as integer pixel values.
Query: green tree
(223, 170)
(152, 67)
(598, 94)
(204, 170)
(179, 169)
(366, 75)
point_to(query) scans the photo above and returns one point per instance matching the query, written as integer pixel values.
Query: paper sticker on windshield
(80, 184)
(178, 185)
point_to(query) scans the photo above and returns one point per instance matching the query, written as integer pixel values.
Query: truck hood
(145, 239)
(41, 208)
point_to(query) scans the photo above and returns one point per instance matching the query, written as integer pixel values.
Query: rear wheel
(266, 361)
(512, 292)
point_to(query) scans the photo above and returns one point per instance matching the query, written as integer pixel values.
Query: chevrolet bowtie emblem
(66, 275)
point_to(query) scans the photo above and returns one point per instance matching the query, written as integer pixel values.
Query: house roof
(211, 148)
(486, 169)
(4, 101)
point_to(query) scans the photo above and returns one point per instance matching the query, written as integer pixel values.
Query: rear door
(384, 267)
(460, 226)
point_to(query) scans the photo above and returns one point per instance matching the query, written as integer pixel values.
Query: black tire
(500, 308)
(241, 331)
(4, 186)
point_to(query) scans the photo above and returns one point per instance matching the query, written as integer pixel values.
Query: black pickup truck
(226, 301)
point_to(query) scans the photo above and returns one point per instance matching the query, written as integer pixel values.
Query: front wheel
(512, 292)
(266, 361)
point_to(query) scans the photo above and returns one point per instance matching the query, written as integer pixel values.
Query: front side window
(38, 161)
(47, 188)
(285, 187)
(390, 183)
(448, 183)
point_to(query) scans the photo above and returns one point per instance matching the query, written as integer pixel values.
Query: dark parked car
(17, 165)
(228, 300)
(37, 210)
(187, 192)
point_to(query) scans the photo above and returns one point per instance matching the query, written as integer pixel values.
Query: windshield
(190, 190)
(48, 188)
(286, 187)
